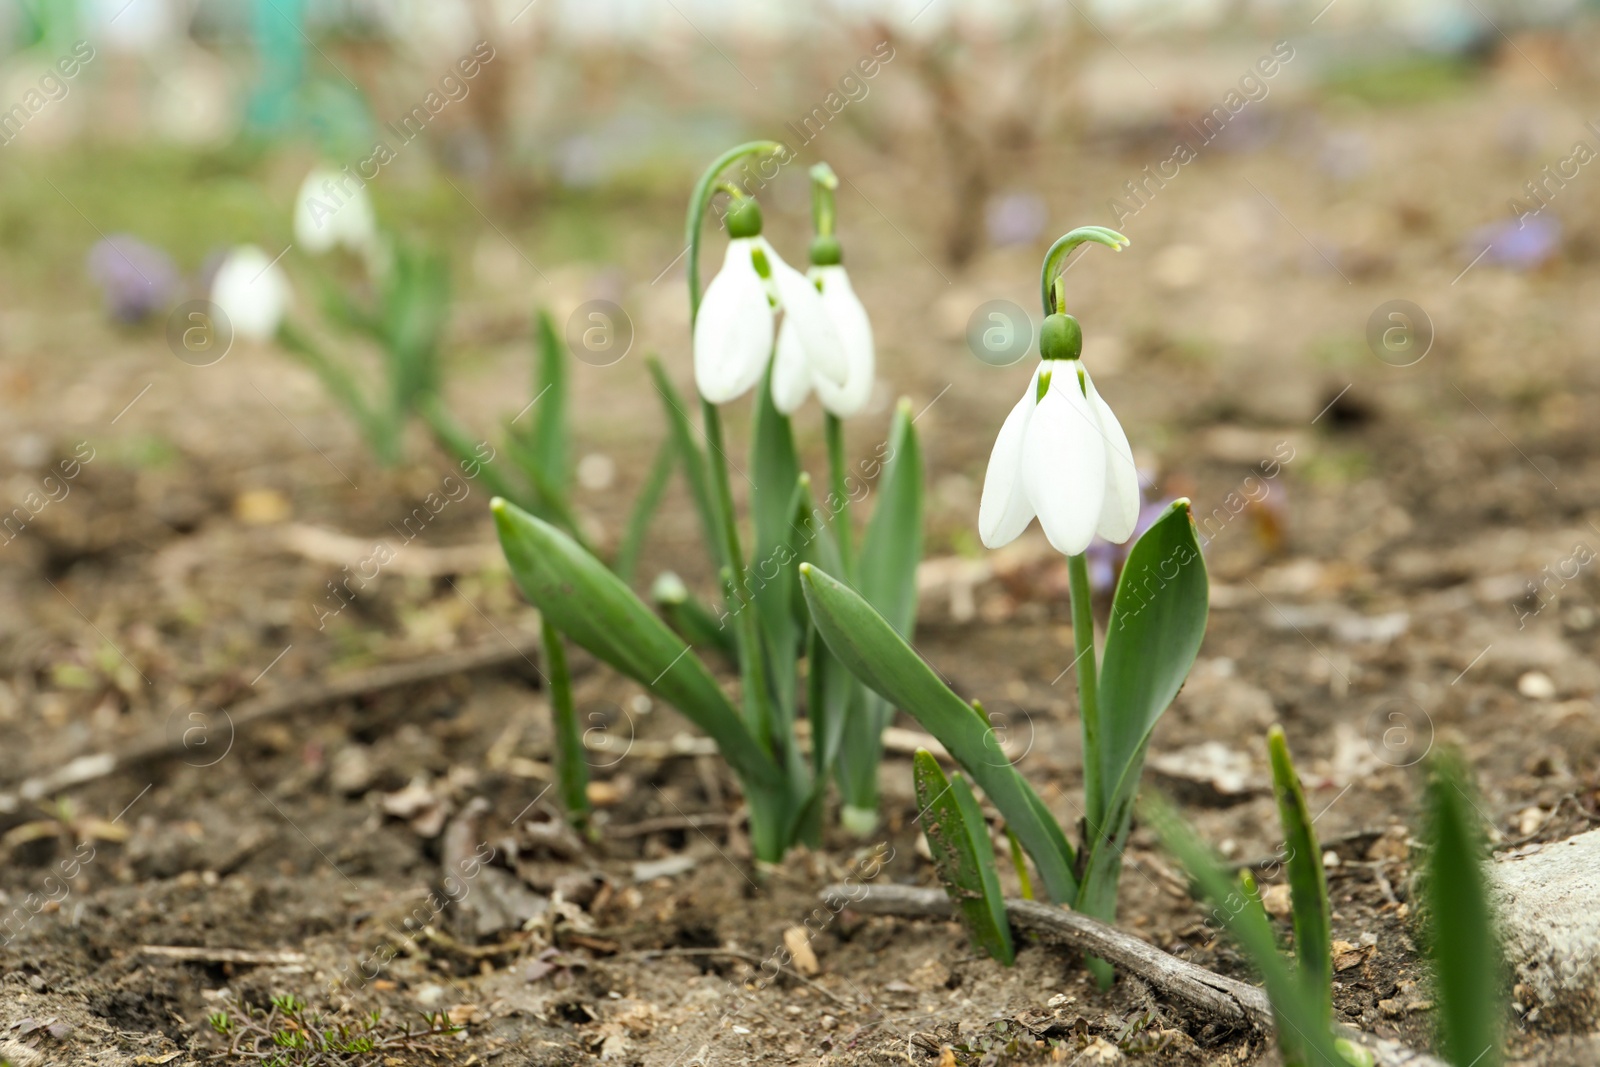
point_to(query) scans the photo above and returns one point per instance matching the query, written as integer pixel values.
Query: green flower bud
(744, 218)
(1060, 337)
(825, 251)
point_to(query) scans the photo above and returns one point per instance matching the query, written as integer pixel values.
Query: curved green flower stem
(1097, 894)
(1088, 696)
(1054, 258)
(700, 201)
(572, 771)
(841, 518)
(752, 660)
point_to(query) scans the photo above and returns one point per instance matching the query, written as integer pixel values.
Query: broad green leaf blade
(870, 649)
(959, 842)
(644, 509)
(1308, 882)
(572, 767)
(551, 437)
(892, 547)
(1158, 618)
(684, 437)
(1303, 1036)
(589, 604)
(1462, 943)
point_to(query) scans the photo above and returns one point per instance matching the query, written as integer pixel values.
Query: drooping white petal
(252, 291)
(1120, 512)
(1064, 463)
(1003, 510)
(802, 304)
(733, 331)
(331, 209)
(854, 330)
(791, 377)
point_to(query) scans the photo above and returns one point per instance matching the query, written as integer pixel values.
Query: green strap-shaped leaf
(870, 649)
(691, 457)
(1462, 942)
(833, 695)
(1308, 883)
(958, 839)
(886, 575)
(572, 767)
(339, 309)
(551, 437)
(775, 474)
(1303, 1034)
(813, 541)
(416, 307)
(592, 607)
(457, 442)
(892, 547)
(644, 509)
(336, 379)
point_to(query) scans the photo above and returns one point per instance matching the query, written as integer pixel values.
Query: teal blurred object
(328, 108)
(278, 29)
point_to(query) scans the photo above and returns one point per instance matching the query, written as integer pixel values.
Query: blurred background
(1356, 325)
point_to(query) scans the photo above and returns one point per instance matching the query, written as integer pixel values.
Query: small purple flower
(1106, 559)
(137, 279)
(1521, 244)
(1015, 218)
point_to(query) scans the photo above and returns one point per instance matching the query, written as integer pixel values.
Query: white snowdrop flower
(1061, 455)
(252, 292)
(733, 329)
(793, 376)
(333, 209)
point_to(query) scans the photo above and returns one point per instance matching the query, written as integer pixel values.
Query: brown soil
(1385, 575)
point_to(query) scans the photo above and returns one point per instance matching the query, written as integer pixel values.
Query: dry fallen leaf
(798, 942)
(1346, 955)
(1278, 901)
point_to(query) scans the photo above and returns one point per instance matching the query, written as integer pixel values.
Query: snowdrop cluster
(331, 211)
(825, 340)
